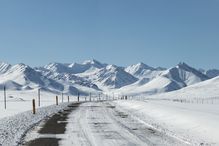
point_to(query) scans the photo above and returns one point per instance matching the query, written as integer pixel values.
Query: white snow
(168, 80)
(141, 70)
(12, 128)
(104, 124)
(18, 117)
(204, 90)
(194, 123)
(189, 112)
(62, 77)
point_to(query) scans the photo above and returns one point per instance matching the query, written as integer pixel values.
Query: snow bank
(12, 128)
(195, 123)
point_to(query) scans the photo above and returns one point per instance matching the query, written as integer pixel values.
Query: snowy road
(98, 124)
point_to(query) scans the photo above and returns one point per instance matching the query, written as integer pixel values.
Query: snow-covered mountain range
(92, 76)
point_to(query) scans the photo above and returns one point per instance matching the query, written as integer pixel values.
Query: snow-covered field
(195, 123)
(20, 101)
(17, 118)
(12, 128)
(189, 123)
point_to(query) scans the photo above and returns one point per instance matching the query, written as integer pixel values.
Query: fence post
(34, 107)
(62, 98)
(78, 97)
(57, 103)
(38, 97)
(90, 96)
(68, 98)
(5, 96)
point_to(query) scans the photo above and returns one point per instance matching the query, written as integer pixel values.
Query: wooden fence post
(57, 103)
(68, 98)
(34, 107)
(78, 97)
(62, 98)
(38, 97)
(5, 96)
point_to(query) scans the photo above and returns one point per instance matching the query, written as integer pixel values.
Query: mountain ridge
(94, 76)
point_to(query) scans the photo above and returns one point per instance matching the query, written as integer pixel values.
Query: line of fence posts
(34, 105)
(123, 97)
(198, 100)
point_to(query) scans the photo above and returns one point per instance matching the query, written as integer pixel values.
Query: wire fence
(190, 100)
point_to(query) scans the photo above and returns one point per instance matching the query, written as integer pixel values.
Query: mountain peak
(92, 61)
(138, 69)
(186, 67)
(111, 67)
(143, 66)
(73, 64)
(184, 74)
(182, 64)
(21, 67)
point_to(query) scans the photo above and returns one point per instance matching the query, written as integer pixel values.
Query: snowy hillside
(205, 89)
(171, 79)
(21, 76)
(184, 75)
(111, 76)
(142, 70)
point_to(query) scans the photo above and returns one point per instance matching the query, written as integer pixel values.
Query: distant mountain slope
(73, 68)
(138, 69)
(111, 76)
(143, 72)
(184, 74)
(212, 73)
(171, 79)
(205, 89)
(21, 76)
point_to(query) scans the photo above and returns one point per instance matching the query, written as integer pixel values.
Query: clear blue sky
(122, 32)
